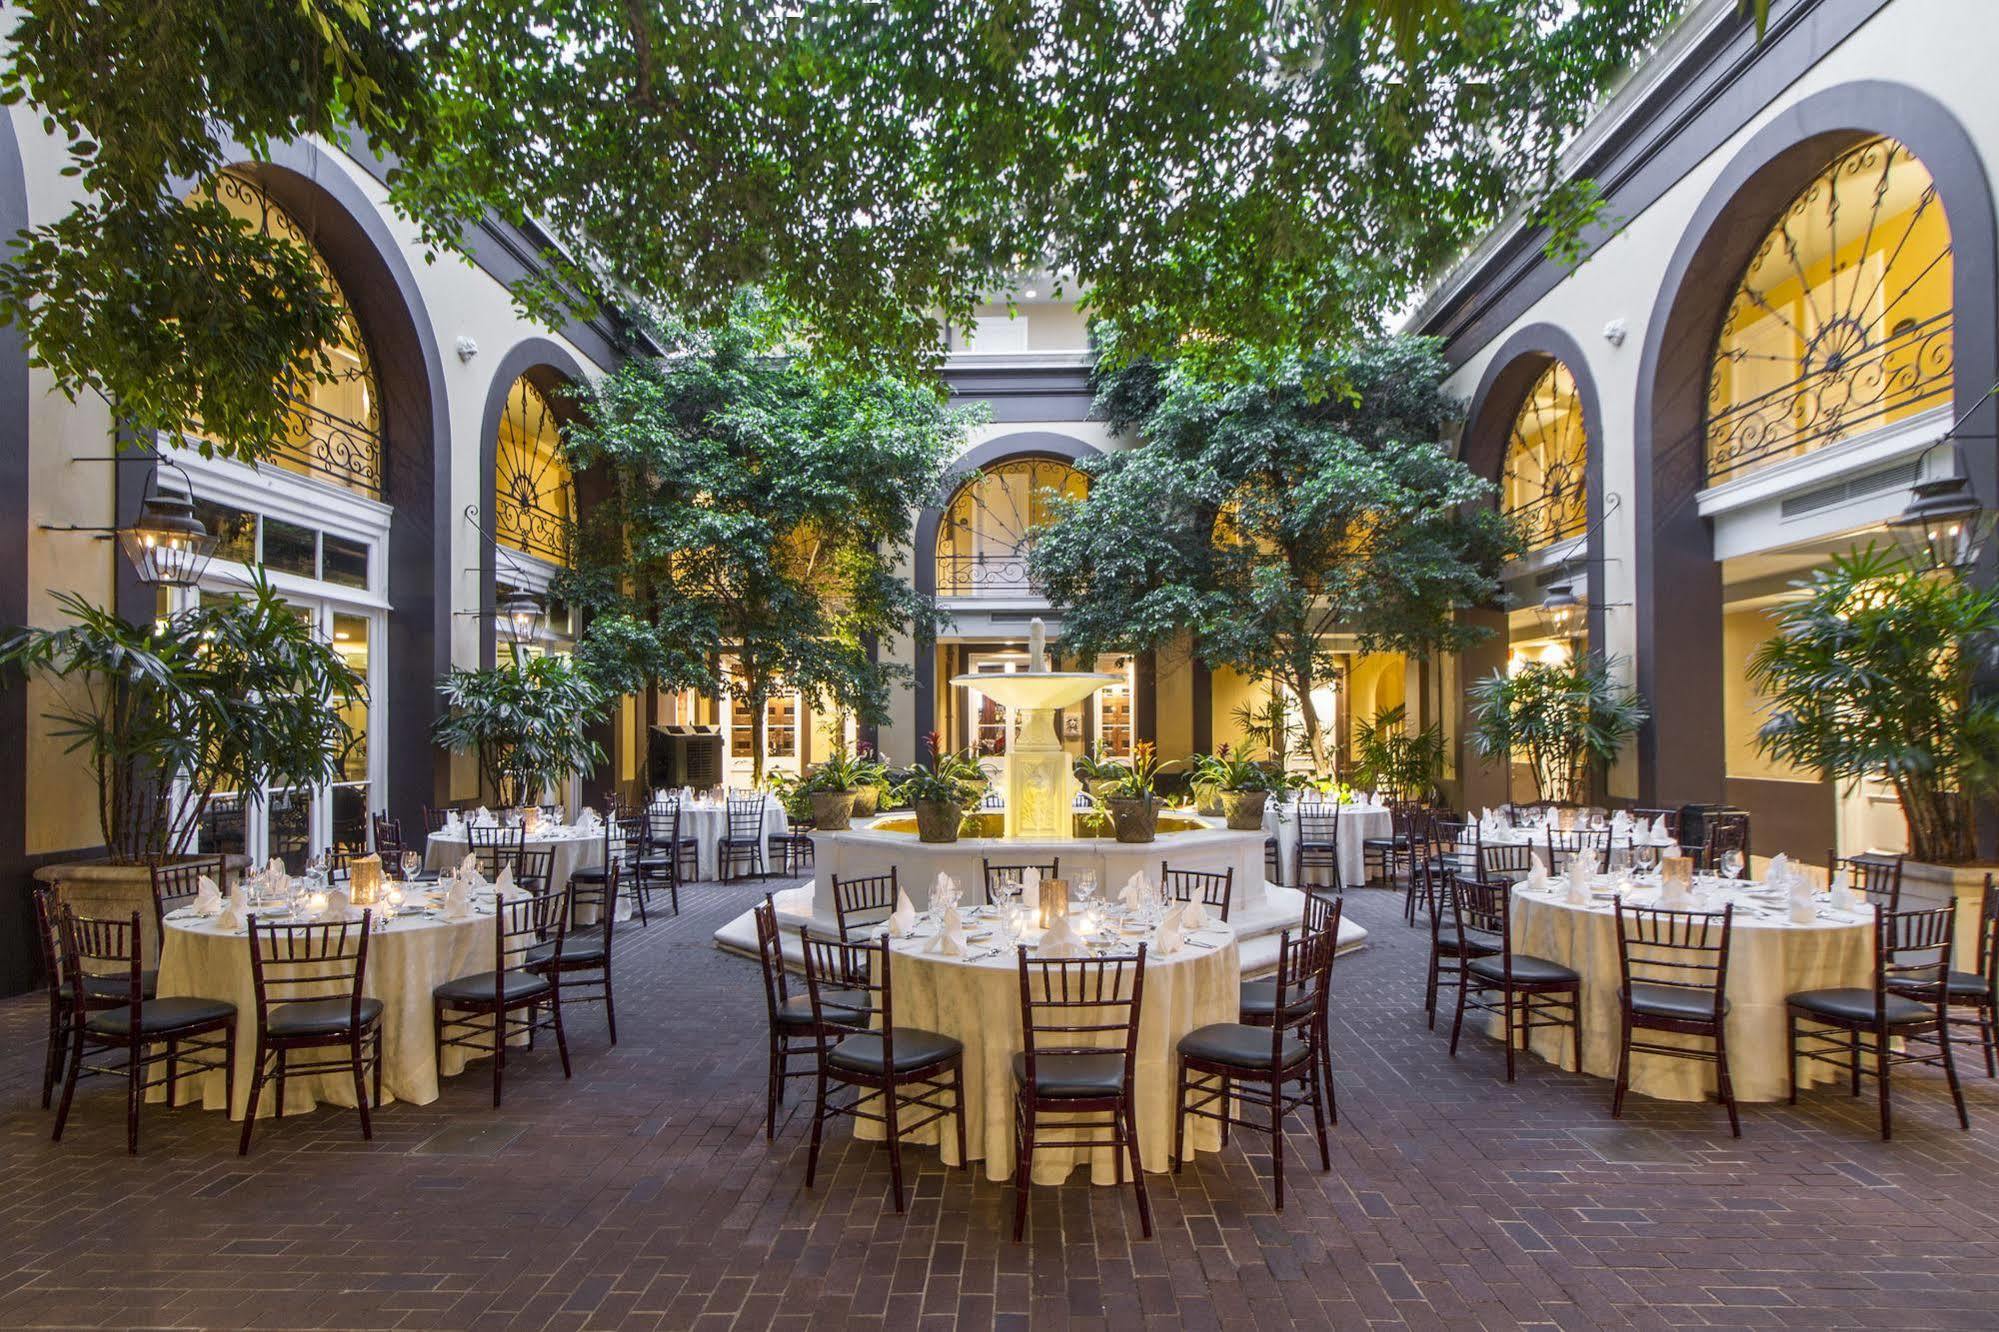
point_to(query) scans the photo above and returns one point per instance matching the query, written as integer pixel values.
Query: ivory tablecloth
(979, 1004)
(405, 962)
(708, 824)
(1357, 823)
(573, 851)
(1769, 958)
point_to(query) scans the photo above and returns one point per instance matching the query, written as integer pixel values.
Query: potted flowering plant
(1126, 791)
(943, 793)
(871, 776)
(1242, 785)
(833, 787)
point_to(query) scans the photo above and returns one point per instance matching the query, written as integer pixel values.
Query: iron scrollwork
(985, 544)
(534, 495)
(1547, 457)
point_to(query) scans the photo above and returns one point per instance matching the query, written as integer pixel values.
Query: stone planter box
(832, 810)
(1927, 885)
(102, 889)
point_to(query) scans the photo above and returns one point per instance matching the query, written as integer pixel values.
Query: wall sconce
(166, 545)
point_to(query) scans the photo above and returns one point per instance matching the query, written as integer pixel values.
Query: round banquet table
(574, 850)
(1769, 959)
(708, 823)
(978, 1002)
(1357, 824)
(406, 961)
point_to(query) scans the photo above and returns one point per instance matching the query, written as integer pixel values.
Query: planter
(1244, 809)
(867, 801)
(1208, 802)
(832, 810)
(938, 820)
(1134, 819)
(1927, 885)
(102, 889)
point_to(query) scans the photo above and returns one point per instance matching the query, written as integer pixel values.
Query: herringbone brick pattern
(642, 1194)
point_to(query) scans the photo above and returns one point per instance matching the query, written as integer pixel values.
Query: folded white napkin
(1676, 895)
(483, 817)
(505, 888)
(1171, 936)
(1620, 824)
(339, 907)
(468, 866)
(943, 892)
(1136, 891)
(1844, 896)
(235, 913)
(1030, 888)
(1660, 837)
(950, 940)
(1779, 873)
(1803, 910)
(903, 919)
(686, 795)
(1193, 915)
(207, 897)
(458, 900)
(1061, 940)
(1537, 871)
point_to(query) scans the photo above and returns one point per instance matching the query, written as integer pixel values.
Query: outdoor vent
(1853, 488)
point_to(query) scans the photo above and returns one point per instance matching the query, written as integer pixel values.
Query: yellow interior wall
(1742, 632)
(1174, 709)
(1228, 691)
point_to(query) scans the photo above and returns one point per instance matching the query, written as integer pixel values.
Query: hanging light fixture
(167, 545)
(1943, 526)
(1561, 607)
(521, 612)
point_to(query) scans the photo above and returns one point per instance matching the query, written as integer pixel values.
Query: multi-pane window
(1547, 456)
(988, 531)
(534, 495)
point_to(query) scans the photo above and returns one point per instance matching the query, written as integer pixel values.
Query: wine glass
(412, 865)
(1731, 863)
(1086, 888)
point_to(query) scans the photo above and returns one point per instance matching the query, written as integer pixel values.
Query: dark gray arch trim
(17, 958)
(1681, 751)
(1021, 444)
(1508, 378)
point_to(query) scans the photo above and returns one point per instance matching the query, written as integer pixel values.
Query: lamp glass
(167, 546)
(522, 613)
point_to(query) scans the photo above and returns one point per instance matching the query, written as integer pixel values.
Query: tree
(1871, 674)
(1561, 717)
(1263, 513)
(527, 722)
(759, 507)
(1248, 171)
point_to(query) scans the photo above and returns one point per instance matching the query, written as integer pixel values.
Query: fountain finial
(1037, 645)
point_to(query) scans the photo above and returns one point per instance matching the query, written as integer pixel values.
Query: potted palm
(833, 787)
(1242, 786)
(236, 695)
(1870, 675)
(525, 721)
(1388, 759)
(1127, 793)
(1561, 718)
(945, 793)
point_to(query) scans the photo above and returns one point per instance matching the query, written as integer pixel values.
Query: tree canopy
(759, 506)
(1263, 514)
(1233, 171)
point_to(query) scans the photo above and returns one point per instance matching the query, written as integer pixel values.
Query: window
(988, 531)
(780, 726)
(534, 496)
(1841, 323)
(1546, 460)
(336, 429)
(235, 530)
(290, 548)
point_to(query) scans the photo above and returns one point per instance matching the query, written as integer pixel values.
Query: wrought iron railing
(339, 450)
(986, 575)
(531, 529)
(1553, 515)
(1845, 393)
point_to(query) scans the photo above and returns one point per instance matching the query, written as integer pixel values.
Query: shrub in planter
(1561, 718)
(526, 722)
(1242, 786)
(1128, 795)
(833, 786)
(944, 793)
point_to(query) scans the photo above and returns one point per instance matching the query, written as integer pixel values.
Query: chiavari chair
(863, 902)
(791, 1025)
(1875, 873)
(1503, 862)
(1318, 844)
(487, 1009)
(579, 959)
(1674, 967)
(663, 858)
(496, 848)
(1257, 1003)
(1967, 990)
(1533, 992)
(388, 835)
(100, 991)
(1564, 847)
(997, 876)
(1210, 888)
(1448, 949)
(178, 885)
(309, 981)
(745, 838)
(1378, 854)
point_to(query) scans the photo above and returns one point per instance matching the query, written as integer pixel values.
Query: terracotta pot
(1135, 819)
(867, 801)
(832, 810)
(1244, 809)
(105, 889)
(938, 820)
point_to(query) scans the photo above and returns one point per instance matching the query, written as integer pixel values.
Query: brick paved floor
(642, 1194)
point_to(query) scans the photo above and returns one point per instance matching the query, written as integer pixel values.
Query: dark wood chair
(1273, 860)
(496, 848)
(1671, 816)
(309, 984)
(1447, 948)
(624, 838)
(485, 1010)
(791, 1028)
(388, 835)
(146, 1032)
(1674, 969)
(1875, 873)
(1533, 992)
(434, 819)
(890, 1070)
(1457, 846)
(664, 857)
(1968, 992)
(744, 841)
(579, 959)
(996, 875)
(794, 849)
(1318, 845)
(1870, 1031)
(178, 885)
(1503, 862)
(860, 903)
(1725, 833)
(1257, 1004)
(1378, 855)
(1564, 847)
(1079, 1020)
(1216, 1059)
(99, 991)
(534, 869)
(1207, 887)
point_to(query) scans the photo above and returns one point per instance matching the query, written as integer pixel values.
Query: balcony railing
(1552, 516)
(531, 529)
(340, 451)
(986, 575)
(1846, 394)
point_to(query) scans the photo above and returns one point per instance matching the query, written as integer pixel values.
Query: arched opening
(534, 494)
(987, 534)
(1841, 322)
(1544, 486)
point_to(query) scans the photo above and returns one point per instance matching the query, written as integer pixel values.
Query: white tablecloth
(1357, 824)
(708, 824)
(1769, 958)
(979, 1004)
(405, 962)
(573, 851)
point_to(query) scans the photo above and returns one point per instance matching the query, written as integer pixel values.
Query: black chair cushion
(588, 874)
(1674, 1001)
(847, 1008)
(520, 986)
(1962, 986)
(162, 1015)
(580, 947)
(1526, 970)
(1072, 1076)
(1475, 945)
(653, 864)
(1399, 842)
(114, 988)
(1259, 999)
(1240, 1046)
(1857, 1005)
(320, 1017)
(914, 1049)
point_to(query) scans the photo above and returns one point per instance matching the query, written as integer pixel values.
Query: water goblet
(412, 865)
(1731, 864)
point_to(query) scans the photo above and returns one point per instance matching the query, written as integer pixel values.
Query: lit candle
(395, 896)
(316, 904)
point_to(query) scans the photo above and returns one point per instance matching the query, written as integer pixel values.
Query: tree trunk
(759, 701)
(1308, 714)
